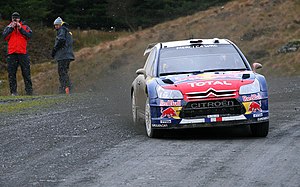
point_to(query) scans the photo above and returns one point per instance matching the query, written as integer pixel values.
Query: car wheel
(134, 110)
(260, 130)
(152, 133)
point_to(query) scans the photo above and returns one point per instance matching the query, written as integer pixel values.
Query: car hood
(205, 82)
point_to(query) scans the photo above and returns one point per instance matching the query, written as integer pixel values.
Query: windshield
(199, 58)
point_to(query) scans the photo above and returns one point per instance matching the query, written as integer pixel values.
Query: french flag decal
(209, 120)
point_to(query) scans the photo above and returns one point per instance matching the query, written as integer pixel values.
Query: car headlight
(168, 94)
(250, 88)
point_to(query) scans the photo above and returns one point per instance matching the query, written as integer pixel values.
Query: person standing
(17, 35)
(63, 53)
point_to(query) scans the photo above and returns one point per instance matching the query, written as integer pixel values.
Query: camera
(15, 19)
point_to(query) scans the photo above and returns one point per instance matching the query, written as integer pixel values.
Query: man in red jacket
(17, 34)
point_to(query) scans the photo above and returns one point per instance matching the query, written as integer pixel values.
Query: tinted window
(199, 58)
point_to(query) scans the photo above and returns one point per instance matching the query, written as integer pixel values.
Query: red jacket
(17, 38)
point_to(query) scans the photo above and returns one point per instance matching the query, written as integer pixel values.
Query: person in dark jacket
(63, 53)
(17, 34)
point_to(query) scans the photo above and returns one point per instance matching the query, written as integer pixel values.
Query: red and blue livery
(199, 83)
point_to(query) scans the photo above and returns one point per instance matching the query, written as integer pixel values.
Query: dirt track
(90, 141)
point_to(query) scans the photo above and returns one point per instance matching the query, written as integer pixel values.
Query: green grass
(17, 104)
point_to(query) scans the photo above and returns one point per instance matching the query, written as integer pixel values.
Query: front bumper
(210, 122)
(170, 116)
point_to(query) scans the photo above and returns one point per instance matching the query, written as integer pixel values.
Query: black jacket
(63, 44)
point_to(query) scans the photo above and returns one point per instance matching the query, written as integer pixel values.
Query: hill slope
(259, 28)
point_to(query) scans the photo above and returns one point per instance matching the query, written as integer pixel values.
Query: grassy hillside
(259, 28)
(40, 47)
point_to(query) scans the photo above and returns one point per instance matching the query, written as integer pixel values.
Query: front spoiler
(160, 123)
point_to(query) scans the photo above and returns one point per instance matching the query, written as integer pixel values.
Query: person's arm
(7, 31)
(61, 39)
(27, 33)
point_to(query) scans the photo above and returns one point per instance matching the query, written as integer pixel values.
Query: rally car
(199, 83)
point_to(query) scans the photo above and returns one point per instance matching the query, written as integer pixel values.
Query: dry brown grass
(257, 27)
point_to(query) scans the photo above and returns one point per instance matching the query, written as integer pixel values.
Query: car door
(142, 81)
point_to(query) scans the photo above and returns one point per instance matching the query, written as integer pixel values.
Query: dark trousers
(64, 79)
(13, 62)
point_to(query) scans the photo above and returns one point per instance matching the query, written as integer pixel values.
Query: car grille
(220, 107)
(211, 93)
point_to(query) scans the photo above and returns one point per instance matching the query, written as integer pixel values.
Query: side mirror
(256, 66)
(140, 72)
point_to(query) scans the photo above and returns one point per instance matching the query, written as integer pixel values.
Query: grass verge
(19, 104)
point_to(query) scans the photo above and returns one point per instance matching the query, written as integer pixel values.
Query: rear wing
(149, 48)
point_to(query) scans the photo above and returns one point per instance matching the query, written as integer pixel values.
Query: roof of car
(187, 42)
(195, 41)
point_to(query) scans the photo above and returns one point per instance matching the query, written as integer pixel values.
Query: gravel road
(90, 140)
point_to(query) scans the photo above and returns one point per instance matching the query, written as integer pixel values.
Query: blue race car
(199, 83)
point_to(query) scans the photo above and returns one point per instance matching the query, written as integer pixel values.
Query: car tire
(260, 130)
(152, 133)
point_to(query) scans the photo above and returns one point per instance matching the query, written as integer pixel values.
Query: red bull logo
(168, 113)
(170, 103)
(254, 107)
(252, 97)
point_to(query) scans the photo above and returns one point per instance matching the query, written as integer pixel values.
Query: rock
(291, 46)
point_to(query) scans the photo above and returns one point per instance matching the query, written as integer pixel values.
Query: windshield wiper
(180, 72)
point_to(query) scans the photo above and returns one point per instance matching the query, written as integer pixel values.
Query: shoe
(67, 90)
(14, 94)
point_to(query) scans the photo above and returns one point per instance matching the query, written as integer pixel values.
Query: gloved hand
(53, 52)
(12, 24)
(18, 25)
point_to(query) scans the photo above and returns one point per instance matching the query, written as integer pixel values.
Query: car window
(199, 58)
(150, 62)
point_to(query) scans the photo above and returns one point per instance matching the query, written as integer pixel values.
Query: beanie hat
(58, 21)
(15, 15)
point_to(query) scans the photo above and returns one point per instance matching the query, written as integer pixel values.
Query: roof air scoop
(196, 41)
(216, 40)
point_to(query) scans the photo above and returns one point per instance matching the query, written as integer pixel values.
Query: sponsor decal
(212, 104)
(168, 113)
(165, 121)
(257, 115)
(263, 118)
(252, 97)
(209, 120)
(252, 107)
(159, 125)
(213, 116)
(255, 107)
(208, 76)
(210, 83)
(197, 46)
(170, 103)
